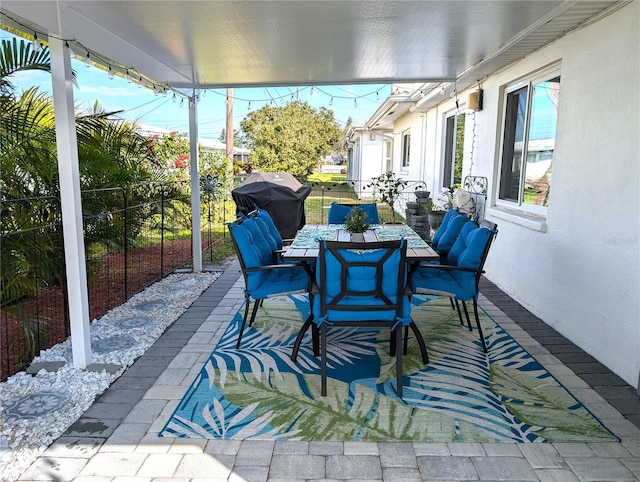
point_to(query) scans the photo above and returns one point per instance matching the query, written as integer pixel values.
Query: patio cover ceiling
(205, 44)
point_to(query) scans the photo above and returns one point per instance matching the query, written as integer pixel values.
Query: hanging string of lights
(291, 96)
(92, 58)
(131, 75)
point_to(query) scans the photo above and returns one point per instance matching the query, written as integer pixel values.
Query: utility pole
(229, 131)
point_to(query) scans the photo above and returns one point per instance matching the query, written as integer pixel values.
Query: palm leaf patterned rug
(463, 395)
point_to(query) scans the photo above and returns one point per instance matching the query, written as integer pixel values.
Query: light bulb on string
(128, 76)
(377, 96)
(140, 82)
(165, 92)
(110, 73)
(249, 106)
(442, 89)
(355, 102)
(36, 43)
(182, 102)
(198, 98)
(155, 91)
(87, 61)
(311, 94)
(331, 101)
(174, 97)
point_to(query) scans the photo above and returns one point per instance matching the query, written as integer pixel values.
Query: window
(388, 155)
(453, 150)
(406, 147)
(528, 141)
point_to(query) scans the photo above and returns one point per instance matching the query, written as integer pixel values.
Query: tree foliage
(292, 138)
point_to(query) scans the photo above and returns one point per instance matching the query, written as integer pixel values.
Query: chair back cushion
(460, 243)
(361, 282)
(443, 227)
(446, 240)
(265, 217)
(338, 212)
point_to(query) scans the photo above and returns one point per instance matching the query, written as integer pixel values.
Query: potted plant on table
(389, 188)
(356, 224)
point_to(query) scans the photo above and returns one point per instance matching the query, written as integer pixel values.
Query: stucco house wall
(578, 268)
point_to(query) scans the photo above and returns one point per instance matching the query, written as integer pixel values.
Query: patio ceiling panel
(202, 44)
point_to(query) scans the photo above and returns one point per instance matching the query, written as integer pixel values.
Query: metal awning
(205, 44)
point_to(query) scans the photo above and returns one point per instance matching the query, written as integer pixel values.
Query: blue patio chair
(263, 278)
(265, 218)
(363, 284)
(338, 212)
(460, 279)
(447, 232)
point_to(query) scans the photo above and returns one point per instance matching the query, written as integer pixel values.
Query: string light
(331, 101)
(110, 73)
(128, 76)
(87, 61)
(249, 106)
(140, 82)
(36, 43)
(377, 96)
(355, 102)
(442, 89)
(165, 92)
(182, 102)
(311, 93)
(174, 97)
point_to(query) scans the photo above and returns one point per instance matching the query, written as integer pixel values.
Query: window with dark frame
(453, 150)
(528, 141)
(406, 147)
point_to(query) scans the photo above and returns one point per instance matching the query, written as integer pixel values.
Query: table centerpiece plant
(356, 224)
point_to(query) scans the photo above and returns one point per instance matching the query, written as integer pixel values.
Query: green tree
(239, 139)
(291, 138)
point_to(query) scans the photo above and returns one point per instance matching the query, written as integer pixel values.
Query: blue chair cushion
(435, 240)
(276, 282)
(448, 238)
(268, 282)
(360, 279)
(460, 243)
(439, 282)
(372, 212)
(338, 212)
(460, 284)
(265, 217)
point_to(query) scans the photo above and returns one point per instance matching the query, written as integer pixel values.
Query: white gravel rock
(36, 410)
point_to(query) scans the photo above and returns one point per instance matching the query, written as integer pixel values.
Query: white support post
(70, 198)
(196, 228)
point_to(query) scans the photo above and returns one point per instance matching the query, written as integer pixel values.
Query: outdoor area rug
(462, 395)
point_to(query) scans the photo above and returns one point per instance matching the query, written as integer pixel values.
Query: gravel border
(36, 409)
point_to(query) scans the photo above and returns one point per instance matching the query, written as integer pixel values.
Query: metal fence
(132, 238)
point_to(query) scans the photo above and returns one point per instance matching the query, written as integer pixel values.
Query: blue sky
(143, 106)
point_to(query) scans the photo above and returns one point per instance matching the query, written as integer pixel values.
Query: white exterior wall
(367, 160)
(415, 122)
(578, 269)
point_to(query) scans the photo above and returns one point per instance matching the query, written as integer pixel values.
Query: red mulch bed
(106, 291)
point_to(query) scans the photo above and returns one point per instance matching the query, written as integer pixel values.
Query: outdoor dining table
(305, 247)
